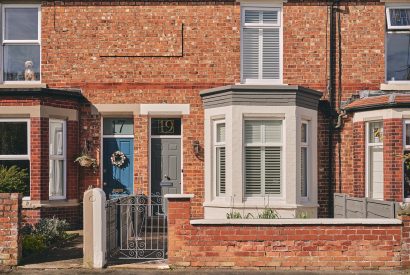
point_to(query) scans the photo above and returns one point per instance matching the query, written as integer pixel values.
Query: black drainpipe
(331, 87)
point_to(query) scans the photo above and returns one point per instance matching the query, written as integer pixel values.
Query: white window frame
(367, 152)
(217, 145)
(394, 29)
(261, 7)
(263, 144)
(20, 157)
(306, 145)
(62, 157)
(19, 42)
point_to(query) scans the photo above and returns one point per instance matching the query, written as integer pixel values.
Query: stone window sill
(32, 204)
(296, 222)
(405, 86)
(23, 85)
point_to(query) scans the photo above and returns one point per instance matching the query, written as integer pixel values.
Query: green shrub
(14, 180)
(268, 213)
(33, 244)
(51, 229)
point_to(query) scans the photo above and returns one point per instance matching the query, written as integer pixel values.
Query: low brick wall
(72, 214)
(310, 246)
(10, 222)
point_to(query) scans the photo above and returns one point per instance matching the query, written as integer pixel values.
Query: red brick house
(242, 103)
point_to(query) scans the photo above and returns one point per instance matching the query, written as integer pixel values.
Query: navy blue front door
(118, 180)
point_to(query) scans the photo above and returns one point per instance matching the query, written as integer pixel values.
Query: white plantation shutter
(250, 53)
(270, 54)
(261, 45)
(262, 159)
(303, 172)
(220, 132)
(220, 173)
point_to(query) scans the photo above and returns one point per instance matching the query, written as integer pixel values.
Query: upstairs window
(21, 42)
(261, 45)
(398, 43)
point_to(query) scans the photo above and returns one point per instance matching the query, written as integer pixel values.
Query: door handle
(104, 183)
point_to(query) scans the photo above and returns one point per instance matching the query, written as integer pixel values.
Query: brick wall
(284, 247)
(72, 214)
(10, 222)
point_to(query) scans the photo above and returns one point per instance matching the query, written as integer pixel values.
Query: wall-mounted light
(196, 147)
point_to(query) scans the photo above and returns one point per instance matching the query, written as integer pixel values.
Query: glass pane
(406, 170)
(273, 130)
(21, 62)
(13, 138)
(272, 170)
(24, 180)
(253, 171)
(398, 56)
(220, 170)
(21, 24)
(304, 133)
(56, 178)
(376, 132)
(400, 17)
(270, 17)
(220, 132)
(56, 138)
(376, 178)
(303, 172)
(253, 133)
(166, 126)
(252, 16)
(407, 134)
(118, 126)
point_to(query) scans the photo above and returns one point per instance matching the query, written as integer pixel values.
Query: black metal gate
(137, 227)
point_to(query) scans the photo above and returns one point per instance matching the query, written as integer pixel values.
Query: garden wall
(292, 244)
(10, 222)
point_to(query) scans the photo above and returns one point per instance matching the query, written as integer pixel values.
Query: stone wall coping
(179, 196)
(296, 222)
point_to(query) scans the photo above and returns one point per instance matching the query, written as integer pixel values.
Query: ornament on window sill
(378, 134)
(118, 159)
(29, 72)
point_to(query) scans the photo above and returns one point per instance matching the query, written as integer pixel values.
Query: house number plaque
(165, 126)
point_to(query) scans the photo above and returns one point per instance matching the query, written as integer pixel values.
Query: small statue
(29, 72)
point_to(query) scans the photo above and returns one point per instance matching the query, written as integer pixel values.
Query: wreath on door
(118, 159)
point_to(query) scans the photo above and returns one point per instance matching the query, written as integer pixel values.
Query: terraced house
(246, 104)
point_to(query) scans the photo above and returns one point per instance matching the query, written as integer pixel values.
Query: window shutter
(251, 17)
(270, 17)
(250, 53)
(220, 132)
(253, 131)
(303, 172)
(399, 17)
(270, 55)
(273, 131)
(220, 155)
(272, 170)
(253, 170)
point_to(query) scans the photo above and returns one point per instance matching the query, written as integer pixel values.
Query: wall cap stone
(179, 196)
(297, 222)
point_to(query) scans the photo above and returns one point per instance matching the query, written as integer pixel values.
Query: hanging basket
(118, 159)
(86, 161)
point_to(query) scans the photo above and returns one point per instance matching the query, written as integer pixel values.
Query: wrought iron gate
(137, 227)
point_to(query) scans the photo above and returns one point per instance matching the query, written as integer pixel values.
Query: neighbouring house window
(406, 164)
(57, 137)
(219, 151)
(263, 149)
(15, 146)
(261, 45)
(374, 174)
(398, 43)
(304, 162)
(21, 42)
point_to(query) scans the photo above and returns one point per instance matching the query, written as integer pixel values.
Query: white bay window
(261, 45)
(57, 137)
(263, 146)
(21, 38)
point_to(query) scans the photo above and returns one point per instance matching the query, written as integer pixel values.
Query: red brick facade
(284, 247)
(131, 52)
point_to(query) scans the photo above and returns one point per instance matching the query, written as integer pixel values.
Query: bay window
(57, 150)
(21, 42)
(374, 159)
(15, 146)
(261, 45)
(398, 43)
(263, 148)
(219, 151)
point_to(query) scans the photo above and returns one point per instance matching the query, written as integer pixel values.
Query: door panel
(118, 179)
(166, 162)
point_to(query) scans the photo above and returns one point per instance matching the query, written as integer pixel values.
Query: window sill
(23, 85)
(33, 204)
(277, 204)
(395, 86)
